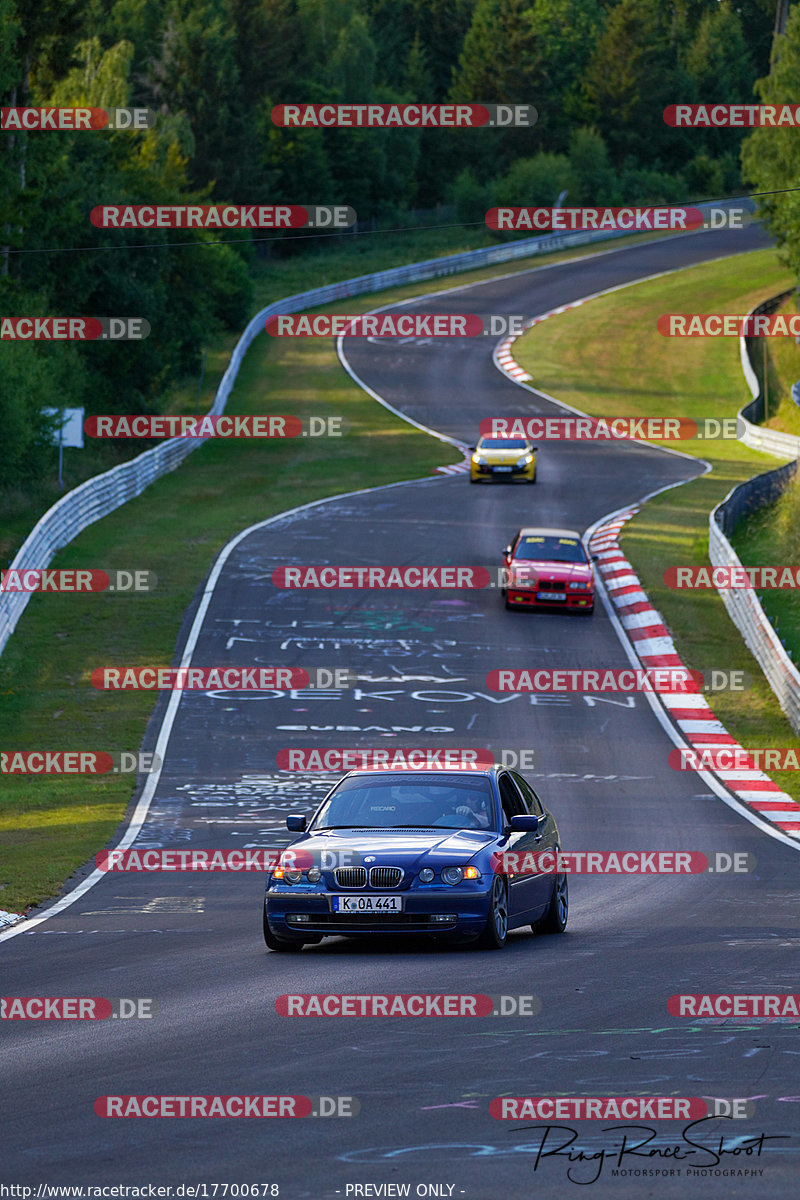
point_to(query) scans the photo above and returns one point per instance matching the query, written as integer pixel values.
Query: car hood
(502, 458)
(540, 569)
(400, 847)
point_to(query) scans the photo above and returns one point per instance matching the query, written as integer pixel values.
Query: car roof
(540, 531)
(429, 773)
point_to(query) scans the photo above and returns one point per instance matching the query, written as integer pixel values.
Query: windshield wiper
(416, 825)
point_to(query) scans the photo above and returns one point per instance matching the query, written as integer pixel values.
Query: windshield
(502, 444)
(413, 804)
(550, 549)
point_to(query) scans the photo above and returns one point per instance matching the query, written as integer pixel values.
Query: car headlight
(452, 875)
(479, 462)
(313, 875)
(426, 875)
(525, 461)
(579, 586)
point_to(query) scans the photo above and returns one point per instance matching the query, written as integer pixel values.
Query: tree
(771, 157)
(501, 63)
(501, 60)
(720, 68)
(533, 182)
(567, 31)
(632, 76)
(592, 179)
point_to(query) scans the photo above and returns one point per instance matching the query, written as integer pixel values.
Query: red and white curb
(507, 363)
(461, 468)
(505, 359)
(691, 712)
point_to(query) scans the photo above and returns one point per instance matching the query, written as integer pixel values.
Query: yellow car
(500, 459)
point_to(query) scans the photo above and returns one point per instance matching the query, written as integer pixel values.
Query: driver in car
(476, 810)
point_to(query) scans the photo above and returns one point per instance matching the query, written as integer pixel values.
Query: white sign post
(69, 433)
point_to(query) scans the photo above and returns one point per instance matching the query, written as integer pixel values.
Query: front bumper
(527, 598)
(469, 911)
(492, 475)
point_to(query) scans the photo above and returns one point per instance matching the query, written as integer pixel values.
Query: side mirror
(535, 449)
(507, 550)
(472, 448)
(297, 824)
(524, 823)
(595, 558)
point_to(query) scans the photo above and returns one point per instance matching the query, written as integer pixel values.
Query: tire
(557, 915)
(276, 943)
(496, 929)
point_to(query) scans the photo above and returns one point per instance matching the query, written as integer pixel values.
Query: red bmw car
(548, 568)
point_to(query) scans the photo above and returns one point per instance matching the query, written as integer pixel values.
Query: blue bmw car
(417, 852)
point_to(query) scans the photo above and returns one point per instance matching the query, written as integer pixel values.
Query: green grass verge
(782, 358)
(768, 537)
(607, 358)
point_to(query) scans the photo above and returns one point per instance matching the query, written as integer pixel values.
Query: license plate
(502, 468)
(368, 904)
(551, 595)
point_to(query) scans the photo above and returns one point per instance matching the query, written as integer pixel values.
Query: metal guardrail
(742, 604)
(768, 441)
(102, 494)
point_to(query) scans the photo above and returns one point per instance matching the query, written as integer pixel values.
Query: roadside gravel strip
(653, 646)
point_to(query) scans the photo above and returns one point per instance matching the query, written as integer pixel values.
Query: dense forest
(600, 73)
